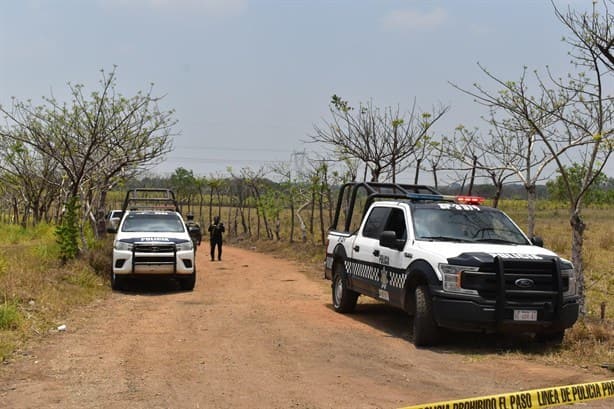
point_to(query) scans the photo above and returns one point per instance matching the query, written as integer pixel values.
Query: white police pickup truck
(448, 261)
(152, 240)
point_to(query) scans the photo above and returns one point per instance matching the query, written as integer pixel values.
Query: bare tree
(34, 177)
(570, 119)
(490, 155)
(381, 138)
(94, 139)
(590, 31)
(528, 119)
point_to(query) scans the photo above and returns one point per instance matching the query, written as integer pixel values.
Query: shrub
(68, 231)
(10, 317)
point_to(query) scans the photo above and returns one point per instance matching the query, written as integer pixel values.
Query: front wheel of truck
(554, 337)
(117, 282)
(426, 331)
(344, 299)
(187, 283)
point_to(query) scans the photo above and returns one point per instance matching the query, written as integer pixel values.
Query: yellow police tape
(536, 398)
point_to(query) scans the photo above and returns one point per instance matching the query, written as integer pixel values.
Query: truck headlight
(185, 246)
(122, 245)
(452, 278)
(572, 286)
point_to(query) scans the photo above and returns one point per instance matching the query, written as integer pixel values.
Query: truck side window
(376, 222)
(396, 223)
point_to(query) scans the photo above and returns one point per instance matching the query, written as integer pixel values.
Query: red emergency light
(472, 200)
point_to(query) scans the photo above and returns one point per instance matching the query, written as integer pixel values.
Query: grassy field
(553, 226)
(37, 293)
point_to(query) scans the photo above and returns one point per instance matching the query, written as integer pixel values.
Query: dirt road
(256, 332)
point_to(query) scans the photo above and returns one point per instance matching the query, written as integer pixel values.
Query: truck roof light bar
(474, 200)
(428, 196)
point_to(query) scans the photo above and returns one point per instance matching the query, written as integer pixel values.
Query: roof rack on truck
(150, 199)
(375, 190)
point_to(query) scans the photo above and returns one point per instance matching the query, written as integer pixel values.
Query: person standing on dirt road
(215, 237)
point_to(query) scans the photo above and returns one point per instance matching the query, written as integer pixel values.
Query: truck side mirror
(388, 238)
(537, 241)
(111, 230)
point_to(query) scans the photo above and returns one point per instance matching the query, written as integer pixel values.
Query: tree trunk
(472, 180)
(229, 218)
(321, 208)
(277, 228)
(200, 206)
(291, 220)
(15, 211)
(498, 191)
(249, 221)
(313, 210)
(435, 177)
(577, 242)
(219, 203)
(211, 206)
(531, 202)
(417, 174)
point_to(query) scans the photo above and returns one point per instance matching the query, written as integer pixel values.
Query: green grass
(10, 317)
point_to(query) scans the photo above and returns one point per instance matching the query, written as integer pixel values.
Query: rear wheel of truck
(344, 300)
(426, 331)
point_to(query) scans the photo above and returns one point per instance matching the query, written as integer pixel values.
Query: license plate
(525, 315)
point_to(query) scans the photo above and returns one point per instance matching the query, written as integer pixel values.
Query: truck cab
(449, 261)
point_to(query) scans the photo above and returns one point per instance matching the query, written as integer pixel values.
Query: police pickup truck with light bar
(448, 261)
(152, 240)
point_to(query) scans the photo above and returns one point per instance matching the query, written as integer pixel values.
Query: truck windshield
(452, 222)
(153, 222)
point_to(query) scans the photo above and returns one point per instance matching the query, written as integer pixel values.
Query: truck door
(364, 263)
(393, 261)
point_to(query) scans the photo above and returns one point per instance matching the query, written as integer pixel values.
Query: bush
(10, 317)
(68, 231)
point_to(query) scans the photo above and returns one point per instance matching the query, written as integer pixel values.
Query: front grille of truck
(154, 248)
(154, 260)
(148, 254)
(543, 274)
(520, 284)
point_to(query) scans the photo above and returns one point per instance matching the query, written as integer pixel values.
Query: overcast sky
(249, 79)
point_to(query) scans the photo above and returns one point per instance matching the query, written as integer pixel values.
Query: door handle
(356, 248)
(376, 252)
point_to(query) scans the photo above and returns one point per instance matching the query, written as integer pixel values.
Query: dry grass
(598, 254)
(36, 292)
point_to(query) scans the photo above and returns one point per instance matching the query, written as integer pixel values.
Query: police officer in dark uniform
(215, 236)
(194, 230)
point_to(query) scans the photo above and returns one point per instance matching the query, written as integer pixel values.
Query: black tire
(117, 282)
(187, 283)
(344, 300)
(426, 331)
(555, 338)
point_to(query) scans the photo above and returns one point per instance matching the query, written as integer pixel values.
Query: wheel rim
(338, 291)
